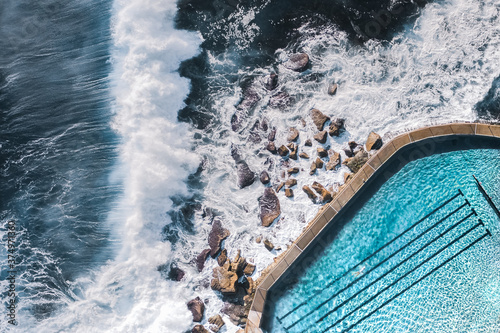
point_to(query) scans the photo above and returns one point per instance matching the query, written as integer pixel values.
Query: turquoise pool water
(441, 275)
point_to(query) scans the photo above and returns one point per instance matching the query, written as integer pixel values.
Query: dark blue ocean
(116, 134)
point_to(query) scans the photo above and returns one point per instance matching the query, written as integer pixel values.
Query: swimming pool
(437, 269)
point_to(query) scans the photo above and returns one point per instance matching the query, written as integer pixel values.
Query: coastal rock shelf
(419, 139)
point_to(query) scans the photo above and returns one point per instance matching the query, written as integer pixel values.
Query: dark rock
(221, 259)
(269, 207)
(264, 177)
(304, 155)
(235, 153)
(321, 137)
(310, 193)
(246, 176)
(322, 152)
(176, 274)
(308, 143)
(197, 308)
(254, 137)
(216, 323)
(199, 329)
(269, 246)
(263, 125)
(293, 170)
(250, 99)
(280, 101)
(272, 134)
(271, 147)
(271, 82)
(249, 269)
(237, 120)
(291, 182)
(283, 151)
(334, 161)
(319, 163)
(332, 89)
(216, 236)
(352, 144)
(374, 141)
(201, 258)
(355, 163)
(336, 127)
(348, 152)
(224, 280)
(288, 192)
(319, 118)
(236, 313)
(297, 62)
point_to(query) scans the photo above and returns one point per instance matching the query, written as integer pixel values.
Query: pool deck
(328, 211)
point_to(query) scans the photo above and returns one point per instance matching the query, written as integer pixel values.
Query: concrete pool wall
(400, 150)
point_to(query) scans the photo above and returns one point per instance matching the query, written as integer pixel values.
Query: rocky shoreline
(233, 279)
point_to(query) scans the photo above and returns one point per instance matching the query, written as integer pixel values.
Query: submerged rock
(175, 273)
(246, 176)
(216, 236)
(269, 207)
(374, 141)
(319, 119)
(297, 62)
(201, 258)
(280, 101)
(271, 81)
(197, 308)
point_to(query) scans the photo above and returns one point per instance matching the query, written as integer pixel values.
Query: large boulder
(197, 308)
(216, 236)
(319, 118)
(224, 280)
(297, 62)
(355, 163)
(201, 258)
(246, 176)
(269, 207)
(374, 141)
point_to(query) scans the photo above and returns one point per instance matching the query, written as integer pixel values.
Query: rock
(356, 162)
(348, 152)
(201, 258)
(293, 134)
(249, 269)
(336, 127)
(258, 239)
(280, 101)
(309, 193)
(216, 323)
(308, 143)
(238, 264)
(297, 62)
(334, 161)
(197, 308)
(291, 182)
(313, 168)
(269, 207)
(271, 82)
(235, 154)
(304, 155)
(271, 147)
(347, 177)
(269, 246)
(322, 152)
(321, 137)
(374, 141)
(254, 133)
(326, 196)
(293, 170)
(319, 163)
(332, 89)
(319, 118)
(221, 259)
(283, 151)
(264, 177)
(263, 125)
(293, 150)
(199, 329)
(272, 134)
(246, 176)
(176, 274)
(250, 99)
(280, 186)
(251, 286)
(216, 236)
(224, 280)
(352, 144)
(288, 192)
(236, 313)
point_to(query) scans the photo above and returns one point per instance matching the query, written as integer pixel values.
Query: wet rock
(310, 193)
(197, 308)
(249, 269)
(254, 137)
(319, 163)
(336, 127)
(263, 125)
(246, 176)
(271, 82)
(238, 264)
(308, 143)
(269, 246)
(288, 192)
(293, 170)
(271, 147)
(297, 62)
(236, 313)
(216, 323)
(272, 134)
(332, 89)
(216, 236)
(355, 163)
(304, 155)
(293, 134)
(201, 258)
(199, 329)
(269, 207)
(264, 177)
(250, 99)
(322, 152)
(326, 196)
(352, 144)
(224, 280)
(175, 273)
(280, 101)
(321, 137)
(291, 182)
(221, 259)
(235, 154)
(374, 141)
(348, 152)
(280, 186)
(319, 119)
(313, 168)
(283, 151)
(333, 162)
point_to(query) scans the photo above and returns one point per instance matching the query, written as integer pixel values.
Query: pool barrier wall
(327, 213)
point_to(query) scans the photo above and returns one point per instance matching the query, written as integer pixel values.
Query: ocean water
(116, 138)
